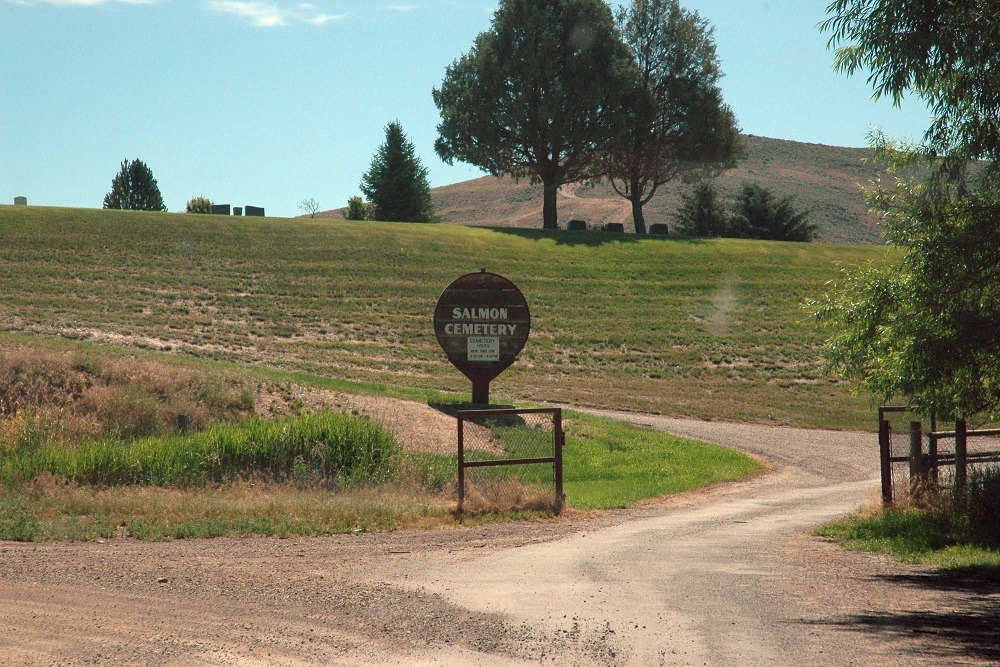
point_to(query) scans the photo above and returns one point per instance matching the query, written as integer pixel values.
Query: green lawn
(702, 328)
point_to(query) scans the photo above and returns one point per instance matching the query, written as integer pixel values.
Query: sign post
(481, 321)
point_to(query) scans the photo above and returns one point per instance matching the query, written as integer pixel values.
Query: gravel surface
(724, 576)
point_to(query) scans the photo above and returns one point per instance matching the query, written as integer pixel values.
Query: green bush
(358, 209)
(199, 205)
(328, 448)
(984, 505)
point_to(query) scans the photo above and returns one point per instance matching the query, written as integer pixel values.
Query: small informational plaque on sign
(484, 348)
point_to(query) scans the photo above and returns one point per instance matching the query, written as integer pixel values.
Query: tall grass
(51, 394)
(937, 526)
(326, 448)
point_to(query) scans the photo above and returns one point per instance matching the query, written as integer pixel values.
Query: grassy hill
(709, 329)
(824, 179)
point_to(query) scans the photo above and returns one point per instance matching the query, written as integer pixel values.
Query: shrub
(199, 205)
(759, 214)
(701, 213)
(359, 209)
(328, 447)
(984, 505)
(63, 396)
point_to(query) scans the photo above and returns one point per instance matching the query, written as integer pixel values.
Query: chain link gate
(499, 452)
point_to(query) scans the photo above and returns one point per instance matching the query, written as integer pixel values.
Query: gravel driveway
(724, 576)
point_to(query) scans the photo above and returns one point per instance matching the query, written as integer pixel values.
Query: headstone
(577, 225)
(659, 228)
(615, 227)
(220, 209)
(237, 210)
(255, 211)
(20, 201)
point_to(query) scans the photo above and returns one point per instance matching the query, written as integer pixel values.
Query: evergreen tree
(701, 213)
(134, 189)
(758, 214)
(396, 183)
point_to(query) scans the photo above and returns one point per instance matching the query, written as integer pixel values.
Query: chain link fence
(510, 460)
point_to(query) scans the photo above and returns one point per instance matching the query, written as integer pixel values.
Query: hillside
(824, 179)
(713, 329)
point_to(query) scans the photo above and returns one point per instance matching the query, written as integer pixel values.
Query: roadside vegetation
(98, 443)
(936, 527)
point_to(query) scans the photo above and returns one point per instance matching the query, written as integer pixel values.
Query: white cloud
(270, 15)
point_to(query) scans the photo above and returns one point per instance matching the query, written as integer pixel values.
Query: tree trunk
(637, 217)
(550, 188)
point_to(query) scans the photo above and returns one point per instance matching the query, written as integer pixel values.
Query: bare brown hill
(827, 180)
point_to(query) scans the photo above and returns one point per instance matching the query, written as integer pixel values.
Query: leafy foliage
(359, 209)
(941, 50)
(924, 328)
(134, 189)
(701, 213)
(758, 214)
(199, 205)
(538, 95)
(396, 183)
(677, 123)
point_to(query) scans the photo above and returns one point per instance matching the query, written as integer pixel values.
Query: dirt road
(727, 576)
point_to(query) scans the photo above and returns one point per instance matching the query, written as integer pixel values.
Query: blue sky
(267, 103)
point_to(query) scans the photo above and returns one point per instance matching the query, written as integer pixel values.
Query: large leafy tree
(537, 95)
(944, 51)
(677, 122)
(134, 189)
(922, 326)
(396, 183)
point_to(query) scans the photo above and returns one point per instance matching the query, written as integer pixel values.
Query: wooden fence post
(961, 459)
(885, 460)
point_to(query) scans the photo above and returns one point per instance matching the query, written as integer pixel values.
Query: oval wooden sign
(482, 323)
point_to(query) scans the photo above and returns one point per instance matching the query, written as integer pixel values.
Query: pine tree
(701, 213)
(759, 214)
(134, 189)
(396, 183)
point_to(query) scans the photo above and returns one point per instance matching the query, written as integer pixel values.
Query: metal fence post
(558, 463)
(461, 464)
(932, 451)
(917, 462)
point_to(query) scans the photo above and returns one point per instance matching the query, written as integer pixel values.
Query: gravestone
(255, 211)
(220, 209)
(237, 210)
(577, 225)
(615, 228)
(20, 201)
(659, 228)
